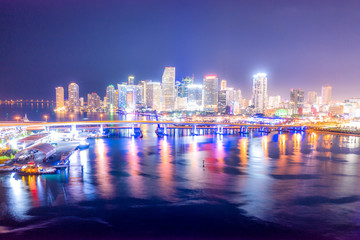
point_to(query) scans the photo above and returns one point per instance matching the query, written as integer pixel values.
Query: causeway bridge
(163, 127)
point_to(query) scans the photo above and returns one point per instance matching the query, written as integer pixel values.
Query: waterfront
(287, 186)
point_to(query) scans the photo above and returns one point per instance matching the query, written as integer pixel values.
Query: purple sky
(300, 44)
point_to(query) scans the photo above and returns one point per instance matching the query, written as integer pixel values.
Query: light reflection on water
(291, 179)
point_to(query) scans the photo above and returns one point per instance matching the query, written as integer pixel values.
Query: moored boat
(35, 169)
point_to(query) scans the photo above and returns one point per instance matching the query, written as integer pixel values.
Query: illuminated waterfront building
(122, 96)
(211, 93)
(259, 92)
(184, 86)
(116, 99)
(195, 97)
(297, 100)
(60, 97)
(94, 102)
(274, 101)
(168, 89)
(326, 94)
(73, 99)
(153, 93)
(311, 97)
(222, 101)
(110, 94)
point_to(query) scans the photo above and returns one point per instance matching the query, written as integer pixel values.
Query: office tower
(110, 94)
(116, 99)
(223, 84)
(93, 101)
(238, 96)
(183, 88)
(131, 80)
(59, 97)
(131, 98)
(73, 99)
(168, 89)
(274, 101)
(311, 97)
(222, 101)
(122, 96)
(326, 94)
(297, 100)
(81, 101)
(195, 97)
(153, 92)
(260, 92)
(211, 93)
(143, 84)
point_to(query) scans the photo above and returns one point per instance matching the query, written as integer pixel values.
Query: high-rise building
(297, 100)
(274, 101)
(326, 94)
(122, 97)
(153, 93)
(131, 80)
(110, 94)
(116, 99)
(195, 97)
(73, 99)
(260, 92)
(168, 89)
(211, 93)
(222, 101)
(59, 97)
(311, 97)
(223, 84)
(183, 88)
(93, 101)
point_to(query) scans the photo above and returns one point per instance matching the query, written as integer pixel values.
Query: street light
(101, 116)
(46, 117)
(72, 117)
(17, 118)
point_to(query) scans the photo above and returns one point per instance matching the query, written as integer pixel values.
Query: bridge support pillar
(220, 129)
(165, 129)
(101, 129)
(194, 130)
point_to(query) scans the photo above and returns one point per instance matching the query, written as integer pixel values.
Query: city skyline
(257, 37)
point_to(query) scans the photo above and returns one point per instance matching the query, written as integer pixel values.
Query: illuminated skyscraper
(110, 94)
(326, 94)
(122, 97)
(311, 97)
(74, 101)
(168, 89)
(195, 97)
(131, 80)
(153, 92)
(223, 84)
(59, 97)
(211, 91)
(260, 92)
(93, 101)
(183, 89)
(297, 99)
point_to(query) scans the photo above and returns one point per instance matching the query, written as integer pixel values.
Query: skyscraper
(297, 99)
(131, 80)
(93, 101)
(311, 97)
(59, 97)
(122, 96)
(211, 91)
(195, 97)
(168, 89)
(260, 92)
(326, 94)
(223, 84)
(74, 101)
(153, 92)
(110, 94)
(183, 89)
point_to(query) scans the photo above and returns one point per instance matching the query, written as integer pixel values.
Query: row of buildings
(212, 96)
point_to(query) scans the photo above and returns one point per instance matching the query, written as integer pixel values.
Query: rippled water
(195, 186)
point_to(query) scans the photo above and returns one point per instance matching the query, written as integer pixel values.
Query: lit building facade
(110, 94)
(60, 102)
(260, 92)
(311, 97)
(73, 99)
(168, 89)
(131, 80)
(326, 93)
(195, 97)
(153, 93)
(211, 93)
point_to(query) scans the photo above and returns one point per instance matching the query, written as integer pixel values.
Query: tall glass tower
(74, 101)
(260, 92)
(168, 89)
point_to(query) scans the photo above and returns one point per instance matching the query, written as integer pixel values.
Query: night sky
(300, 44)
